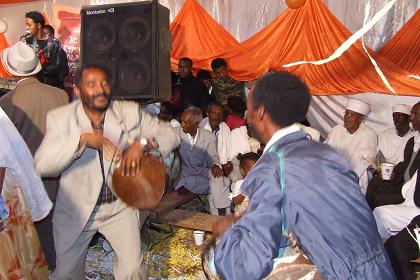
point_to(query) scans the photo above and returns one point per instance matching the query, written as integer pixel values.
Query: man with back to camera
(299, 191)
(27, 106)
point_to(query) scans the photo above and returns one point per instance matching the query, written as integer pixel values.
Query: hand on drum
(131, 158)
(223, 224)
(100, 143)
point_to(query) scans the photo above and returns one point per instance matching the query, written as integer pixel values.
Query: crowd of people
(247, 146)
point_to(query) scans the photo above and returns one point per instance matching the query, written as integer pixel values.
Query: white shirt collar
(21, 80)
(191, 139)
(280, 134)
(416, 141)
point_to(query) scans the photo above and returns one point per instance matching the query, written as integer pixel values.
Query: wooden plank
(170, 201)
(189, 219)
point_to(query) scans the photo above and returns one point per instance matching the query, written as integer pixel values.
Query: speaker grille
(134, 34)
(125, 39)
(101, 34)
(135, 76)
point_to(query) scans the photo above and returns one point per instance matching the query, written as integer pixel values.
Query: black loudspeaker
(132, 41)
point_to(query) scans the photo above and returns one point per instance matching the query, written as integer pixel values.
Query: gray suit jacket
(197, 161)
(81, 176)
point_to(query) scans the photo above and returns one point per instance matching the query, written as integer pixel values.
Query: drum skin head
(145, 189)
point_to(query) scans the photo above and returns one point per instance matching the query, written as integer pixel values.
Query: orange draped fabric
(196, 34)
(404, 48)
(309, 33)
(3, 45)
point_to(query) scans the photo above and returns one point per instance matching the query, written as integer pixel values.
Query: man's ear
(260, 113)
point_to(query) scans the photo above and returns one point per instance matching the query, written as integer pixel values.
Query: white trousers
(391, 219)
(121, 230)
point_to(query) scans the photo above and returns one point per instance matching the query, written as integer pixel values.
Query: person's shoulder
(207, 134)
(337, 129)
(386, 132)
(125, 105)
(64, 110)
(367, 130)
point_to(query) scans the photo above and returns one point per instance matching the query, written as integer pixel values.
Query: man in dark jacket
(48, 49)
(193, 92)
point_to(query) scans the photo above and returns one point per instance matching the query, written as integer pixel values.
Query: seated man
(201, 172)
(356, 141)
(193, 92)
(300, 191)
(223, 85)
(215, 124)
(391, 140)
(402, 249)
(390, 219)
(381, 192)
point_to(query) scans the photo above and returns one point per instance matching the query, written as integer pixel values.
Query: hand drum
(145, 189)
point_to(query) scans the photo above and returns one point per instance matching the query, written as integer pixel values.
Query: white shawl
(16, 157)
(223, 140)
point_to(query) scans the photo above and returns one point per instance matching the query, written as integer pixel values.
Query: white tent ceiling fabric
(244, 18)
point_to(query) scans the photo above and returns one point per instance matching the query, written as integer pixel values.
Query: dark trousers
(380, 192)
(44, 228)
(402, 249)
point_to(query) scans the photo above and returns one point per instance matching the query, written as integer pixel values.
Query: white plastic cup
(198, 237)
(386, 170)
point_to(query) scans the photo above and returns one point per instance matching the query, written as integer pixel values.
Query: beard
(90, 102)
(254, 133)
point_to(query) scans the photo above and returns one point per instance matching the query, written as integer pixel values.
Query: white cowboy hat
(20, 60)
(3, 26)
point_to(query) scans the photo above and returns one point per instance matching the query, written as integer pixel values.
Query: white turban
(401, 108)
(358, 107)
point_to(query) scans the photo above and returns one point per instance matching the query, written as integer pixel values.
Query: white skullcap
(358, 107)
(401, 108)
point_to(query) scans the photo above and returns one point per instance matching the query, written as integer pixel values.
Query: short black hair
(237, 104)
(217, 63)
(215, 103)
(284, 96)
(251, 156)
(79, 73)
(203, 75)
(50, 29)
(170, 109)
(187, 60)
(36, 16)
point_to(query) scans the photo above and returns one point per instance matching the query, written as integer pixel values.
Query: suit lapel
(114, 132)
(82, 119)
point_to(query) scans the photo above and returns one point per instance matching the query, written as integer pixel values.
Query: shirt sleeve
(247, 250)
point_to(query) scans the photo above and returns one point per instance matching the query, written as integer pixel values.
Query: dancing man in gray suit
(201, 172)
(82, 142)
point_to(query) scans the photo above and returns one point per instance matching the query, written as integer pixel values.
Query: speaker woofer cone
(135, 76)
(134, 34)
(100, 36)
